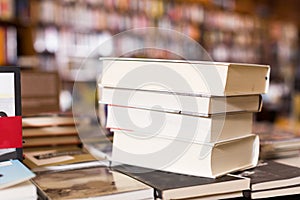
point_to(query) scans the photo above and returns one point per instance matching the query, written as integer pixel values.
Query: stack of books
(192, 118)
(52, 139)
(268, 179)
(49, 130)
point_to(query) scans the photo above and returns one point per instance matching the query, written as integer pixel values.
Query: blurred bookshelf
(53, 35)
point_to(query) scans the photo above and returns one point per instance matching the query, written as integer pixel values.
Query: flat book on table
(13, 172)
(90, 183)
(271, 178)
(169, 185)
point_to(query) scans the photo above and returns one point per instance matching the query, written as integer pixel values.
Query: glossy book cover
(93, 182)
(13, 172)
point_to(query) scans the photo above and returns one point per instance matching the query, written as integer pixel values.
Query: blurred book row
(63, 168)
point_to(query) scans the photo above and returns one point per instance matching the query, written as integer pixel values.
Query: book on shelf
(142, 122)
(202, 105)
(271, 178)
(193, 77)
(169, 185)
(90, 183)
(186, 157)
(8, 49)
(13, 172)
(2, 46)
(38, 97)
(25, 191)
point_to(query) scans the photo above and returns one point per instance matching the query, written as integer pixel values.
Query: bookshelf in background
(8, 32)
(65, 32)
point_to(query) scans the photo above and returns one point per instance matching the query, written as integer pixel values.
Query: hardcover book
(271, 178)
(169, 185)
(201, 105)
(193, 77)
(214, 128)
(198, 159)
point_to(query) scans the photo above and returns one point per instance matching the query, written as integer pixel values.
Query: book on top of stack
(200, 124)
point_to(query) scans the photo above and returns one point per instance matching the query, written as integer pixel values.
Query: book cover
(272, 178)
(271, 174)
(169, 185)
(13, 172)
(94, 182)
